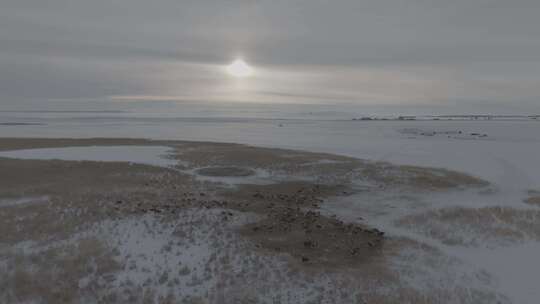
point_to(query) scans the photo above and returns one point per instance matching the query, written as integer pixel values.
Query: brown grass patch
(489, 226)
(420, 178)
(314, 239)
(52, 276)
(534, 198)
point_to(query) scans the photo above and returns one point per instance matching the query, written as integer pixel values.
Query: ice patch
(148, 155)
(259, 177)
(23, 201)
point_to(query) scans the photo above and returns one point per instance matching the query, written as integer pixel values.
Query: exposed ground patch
(129, 233)
(534, 198)
(225, 171)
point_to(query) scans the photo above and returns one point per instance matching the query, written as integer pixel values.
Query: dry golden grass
(489, 226)
(52, 276)
(425, 179)
(534, 198)
(86, 194)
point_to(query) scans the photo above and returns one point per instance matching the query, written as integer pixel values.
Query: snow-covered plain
(508, 156)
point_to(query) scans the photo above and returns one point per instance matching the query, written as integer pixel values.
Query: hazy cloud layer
(396, 52)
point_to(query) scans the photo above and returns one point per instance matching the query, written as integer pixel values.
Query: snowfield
(492, 230)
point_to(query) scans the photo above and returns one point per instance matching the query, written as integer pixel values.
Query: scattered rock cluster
(187, 200)
(292, 223)
(298, 199)
(313, 237)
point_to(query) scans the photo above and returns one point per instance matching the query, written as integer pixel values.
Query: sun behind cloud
(240, 69)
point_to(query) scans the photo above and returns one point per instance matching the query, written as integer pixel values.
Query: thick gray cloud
(396, 52)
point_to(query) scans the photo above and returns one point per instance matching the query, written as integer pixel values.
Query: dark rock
(258, 195)
(309, 244)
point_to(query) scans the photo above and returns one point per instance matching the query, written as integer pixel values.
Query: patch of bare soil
(314, 239)
(288, 192)
(420, 178)
(292, 224)
(225, 171)
(534, 198)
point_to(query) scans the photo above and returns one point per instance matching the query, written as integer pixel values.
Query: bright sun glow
(239, 69)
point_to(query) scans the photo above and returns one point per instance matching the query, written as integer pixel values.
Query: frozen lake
(148, 155)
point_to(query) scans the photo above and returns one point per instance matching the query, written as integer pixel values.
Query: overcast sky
(461, 54)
